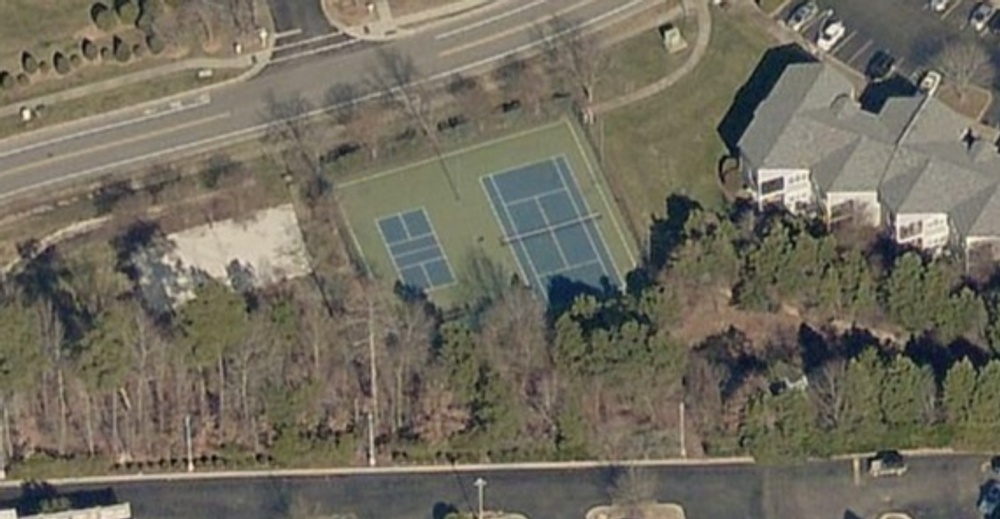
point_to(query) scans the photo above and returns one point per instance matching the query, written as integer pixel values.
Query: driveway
(299, 15)
(906, 29)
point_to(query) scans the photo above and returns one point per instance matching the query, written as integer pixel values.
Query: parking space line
(951, 9)
(868, 44)
(843, 42)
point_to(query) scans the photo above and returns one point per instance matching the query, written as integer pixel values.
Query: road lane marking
(868, 44)
(514, 30)
(841, 43)
(114, 144)
(307, 41)
(146, 116)
(289, 33)
(249, 132)
(311, 52)
(490, 20)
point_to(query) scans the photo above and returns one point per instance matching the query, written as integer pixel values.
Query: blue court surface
(415, 250)
(547, 222)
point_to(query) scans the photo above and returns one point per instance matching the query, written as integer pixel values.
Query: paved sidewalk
(382, 25)
(254, 62)
(704, 17)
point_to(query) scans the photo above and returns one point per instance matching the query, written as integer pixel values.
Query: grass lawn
(770, 6)
(468, 221)
(670, 143)
(36, 24)
(641, 60)
(122, 97)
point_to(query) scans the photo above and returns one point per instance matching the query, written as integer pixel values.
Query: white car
(929, 82)
(938, 6)
(833, 31)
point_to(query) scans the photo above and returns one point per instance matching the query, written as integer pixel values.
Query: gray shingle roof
(911, 151)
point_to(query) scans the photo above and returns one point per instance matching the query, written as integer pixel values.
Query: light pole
(684, 451)
(187, 440)
(480, 484)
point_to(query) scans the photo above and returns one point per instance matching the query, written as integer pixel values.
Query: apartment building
(913, 168)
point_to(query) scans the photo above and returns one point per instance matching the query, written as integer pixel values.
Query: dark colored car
(880, 66)
(887, 463)
(802, 14)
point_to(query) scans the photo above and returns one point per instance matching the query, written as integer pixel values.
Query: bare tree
(295, 141)
(403, 88)
(473, 98)
(521, 80)
(359, 118)
(579, 55)
(399, 81)
(964, 62)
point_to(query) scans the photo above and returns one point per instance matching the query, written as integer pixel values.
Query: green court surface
(534, 202)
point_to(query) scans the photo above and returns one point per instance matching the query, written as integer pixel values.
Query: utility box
(673, 41)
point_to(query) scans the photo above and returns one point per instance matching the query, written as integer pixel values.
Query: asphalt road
(137, 138)
(935, 487)
(906, 29)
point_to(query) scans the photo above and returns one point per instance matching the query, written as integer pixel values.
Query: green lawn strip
(107, 101)
(31, 24)
(770, 6)
(670, 143)
(641, 60)
(87, 73)
(467, 222)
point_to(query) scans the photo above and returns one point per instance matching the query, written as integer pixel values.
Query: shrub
(75, 60)
(6, 80)
(149, 10)
(44, 67)
(155, 43)
(105, 53)
(121, 49)
(138, 50)
(61, 63)
(128, 13)
(102, 17)
(28, 63)
(89, 49)
(23, 79)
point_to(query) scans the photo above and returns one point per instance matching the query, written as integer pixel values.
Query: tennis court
(415, 250)
(533, 202)
(548, 224)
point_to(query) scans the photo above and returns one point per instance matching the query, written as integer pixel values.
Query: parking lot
(906, 29)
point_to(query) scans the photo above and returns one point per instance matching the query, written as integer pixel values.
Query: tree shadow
(770, 67)
(44, 276)
(38, 496)
(563, 292)
(441, 510)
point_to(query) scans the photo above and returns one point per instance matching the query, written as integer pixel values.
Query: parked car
(929, 82)
(994, 26)
(938, 6)
(802, 15)
(989, 498)
(833, 31)
(887, 463)
(981, 16)
(880, 66)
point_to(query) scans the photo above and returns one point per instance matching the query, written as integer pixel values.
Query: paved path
(704, 36)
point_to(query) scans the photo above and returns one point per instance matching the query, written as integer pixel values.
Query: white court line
(567, 177)
(490, 20)
(199, 102)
